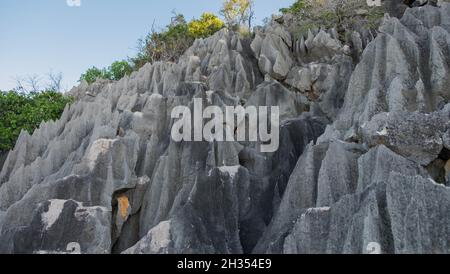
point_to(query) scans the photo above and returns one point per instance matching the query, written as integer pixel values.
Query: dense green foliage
(93, 74)
(26, 111)
(116, 71)
(119, 69)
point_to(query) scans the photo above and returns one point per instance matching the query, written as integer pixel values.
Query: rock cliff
(364, 154)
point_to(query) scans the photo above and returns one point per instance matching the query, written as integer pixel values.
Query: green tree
(166, 45)
(296, 8)
(207, 25)
(119, 69)
(26, 111)
(116, 71)
(92, 74)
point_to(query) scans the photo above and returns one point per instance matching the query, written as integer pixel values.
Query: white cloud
(73, 3)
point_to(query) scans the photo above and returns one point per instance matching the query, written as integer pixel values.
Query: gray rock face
(395, 7)
(110, 160)
(446, 139)
(403, 69)
(360, 219)
(317, 65)
(316, 180)
(272, 49)
(364, 137)
(416, 205)
(340, 199)
(3, 156)
(405, 133)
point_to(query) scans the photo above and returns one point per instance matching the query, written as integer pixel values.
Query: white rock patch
(317, 209)
(54, 210)
(160, 236)
(231, 170)
(156, 241)
(383, 132)
(99, 147)
(209, 94)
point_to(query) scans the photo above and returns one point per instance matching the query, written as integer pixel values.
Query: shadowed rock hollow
(363, 158)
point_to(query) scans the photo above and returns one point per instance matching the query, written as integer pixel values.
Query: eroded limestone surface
(364, 151)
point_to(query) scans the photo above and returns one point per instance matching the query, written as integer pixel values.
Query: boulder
(405, 133)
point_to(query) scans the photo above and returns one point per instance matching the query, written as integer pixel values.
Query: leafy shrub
(170, 43)
(92, 74)
(207, 25)
(344, 15)
(116, 71)
(119, 69)
(296, 8)
(26, 111)
(166, 45)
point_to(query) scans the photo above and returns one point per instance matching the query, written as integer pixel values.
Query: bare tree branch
(20, 85)
(55, 81)
(33, 82)
(251, 15)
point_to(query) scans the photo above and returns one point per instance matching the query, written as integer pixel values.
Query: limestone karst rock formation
(3, 156)
(364, 152)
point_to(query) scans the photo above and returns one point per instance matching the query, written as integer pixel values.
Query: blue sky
(39, 36)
